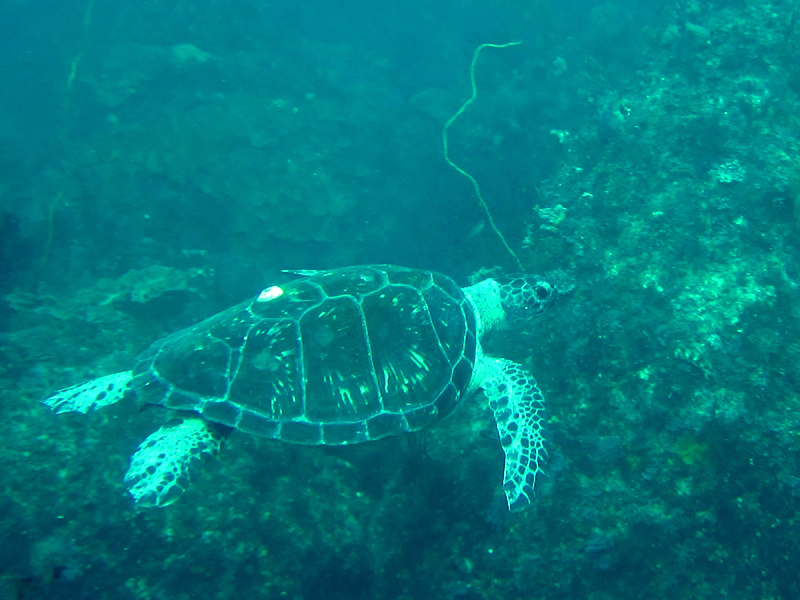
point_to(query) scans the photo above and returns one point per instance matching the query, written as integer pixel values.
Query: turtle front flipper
(518, 407)
(163, 466)
(96, 393)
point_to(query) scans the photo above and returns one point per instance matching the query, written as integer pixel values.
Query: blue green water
(160, 161)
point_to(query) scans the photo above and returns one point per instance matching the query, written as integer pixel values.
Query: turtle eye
(542, 292)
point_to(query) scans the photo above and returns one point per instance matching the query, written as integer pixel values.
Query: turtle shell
(339, 357)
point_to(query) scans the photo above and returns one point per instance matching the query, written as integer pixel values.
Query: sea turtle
(334, 357)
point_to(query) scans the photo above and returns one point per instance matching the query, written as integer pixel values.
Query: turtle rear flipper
(518, 407)
(96, 393)
(163, 466)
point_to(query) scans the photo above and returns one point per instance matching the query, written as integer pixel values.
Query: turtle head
(525, 296)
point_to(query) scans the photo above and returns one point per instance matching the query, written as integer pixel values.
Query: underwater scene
(189, 192)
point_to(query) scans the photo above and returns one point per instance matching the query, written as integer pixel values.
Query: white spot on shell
(270, 293)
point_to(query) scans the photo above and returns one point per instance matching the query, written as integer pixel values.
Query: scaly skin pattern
(518, 407)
